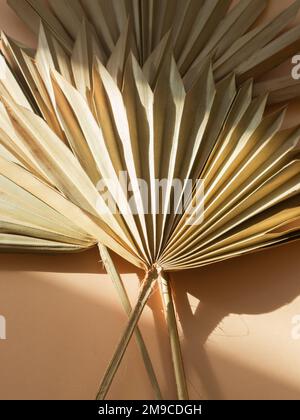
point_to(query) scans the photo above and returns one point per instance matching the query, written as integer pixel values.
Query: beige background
(64, 319)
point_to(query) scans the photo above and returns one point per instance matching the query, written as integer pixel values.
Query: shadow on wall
(88, 262)
(239, 381)
(72, 335)
(60, 338)
(253, 284)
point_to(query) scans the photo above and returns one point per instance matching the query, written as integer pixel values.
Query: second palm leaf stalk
(117, 281)
(153, 276)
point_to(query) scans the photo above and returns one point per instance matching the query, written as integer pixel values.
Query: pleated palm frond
(65, 131)
(281, 89)
(221, 29)
(81, 111)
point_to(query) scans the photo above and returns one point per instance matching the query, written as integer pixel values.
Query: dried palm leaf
(124, 98)
(19, 207)
(282, 89)
(197, 29)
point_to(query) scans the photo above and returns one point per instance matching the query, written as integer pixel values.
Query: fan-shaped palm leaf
(196, 29)
(157, 102)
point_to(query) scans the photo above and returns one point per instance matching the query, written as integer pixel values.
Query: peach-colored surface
(64, 320)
